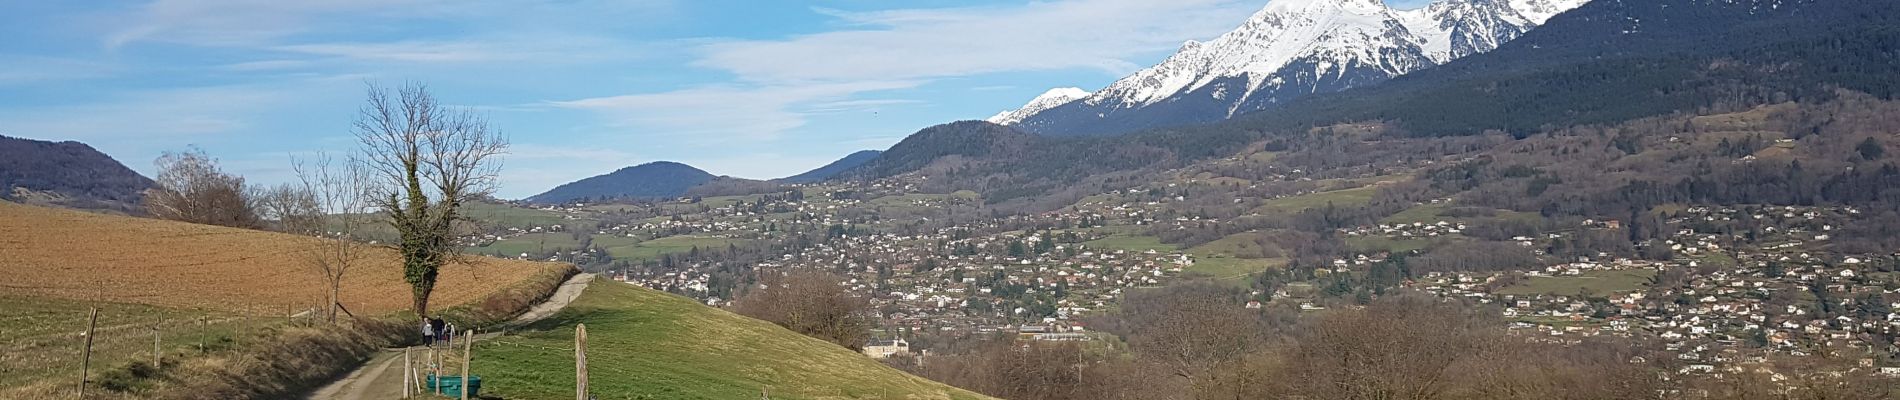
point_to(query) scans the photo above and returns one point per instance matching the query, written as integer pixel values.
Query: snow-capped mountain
(1050, 99)
(1289, 49)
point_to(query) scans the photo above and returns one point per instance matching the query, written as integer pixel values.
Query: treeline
(1196, 341)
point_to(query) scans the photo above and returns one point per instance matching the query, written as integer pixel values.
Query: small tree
(423, 162)
(329, 203)
(811, 303)
(191, 188)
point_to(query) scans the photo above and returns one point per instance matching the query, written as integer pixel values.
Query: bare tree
(424, 162)
(191, 188)
(811, 303)
(1191, 327)
(287, 207)
(330, 203)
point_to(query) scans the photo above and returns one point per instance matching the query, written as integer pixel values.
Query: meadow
(648, 344)
(1600, 283)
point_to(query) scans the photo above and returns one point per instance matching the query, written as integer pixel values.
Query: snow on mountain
(1050, 99)
(1539, 11)
(1292, 48)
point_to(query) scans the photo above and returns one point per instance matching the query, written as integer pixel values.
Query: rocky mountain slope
(1289, 49)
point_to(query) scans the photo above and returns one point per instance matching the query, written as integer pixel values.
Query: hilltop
(649, 344)
(662, 179)
(67, 174)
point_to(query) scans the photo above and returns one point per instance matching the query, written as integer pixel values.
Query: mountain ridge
(1289, 49)
(828, 171)
(67, 174)
(659, 179)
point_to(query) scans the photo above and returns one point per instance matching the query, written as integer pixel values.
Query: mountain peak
(1292, 48)
(1047, 100)
(659, 179)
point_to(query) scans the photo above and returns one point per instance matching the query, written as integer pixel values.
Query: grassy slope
(1340, 198)
(645, 344)
(1217, 258)
(1599, 282)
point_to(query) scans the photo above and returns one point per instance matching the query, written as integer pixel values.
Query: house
(881, 349)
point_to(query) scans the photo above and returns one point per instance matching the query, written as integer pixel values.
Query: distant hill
(651, 180)
(67, 174)
(964, 140)
(834, 168)
(650, 344)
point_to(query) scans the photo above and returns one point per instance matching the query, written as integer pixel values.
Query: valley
(1335, 199)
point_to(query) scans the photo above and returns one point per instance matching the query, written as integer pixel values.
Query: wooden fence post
(407, 373)
(468, 349)
(158, 353)
(580, 362)
(85, 366)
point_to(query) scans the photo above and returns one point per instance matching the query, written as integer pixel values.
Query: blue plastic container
(452, 385)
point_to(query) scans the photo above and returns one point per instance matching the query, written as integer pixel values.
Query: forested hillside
(67, 174)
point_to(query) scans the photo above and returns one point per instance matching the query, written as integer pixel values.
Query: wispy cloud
(724, 112)
(936, 43)
(24, 69)
(246, 22)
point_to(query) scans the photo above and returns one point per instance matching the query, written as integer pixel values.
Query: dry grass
(142, 272)
(63, 254)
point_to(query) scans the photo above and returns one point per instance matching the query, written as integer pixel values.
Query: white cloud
(18, 69)
(262, 23)
(170, 115)
(934, 43)
(244, 22)
(725, 112)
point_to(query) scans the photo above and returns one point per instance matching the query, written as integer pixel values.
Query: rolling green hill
(645, 344)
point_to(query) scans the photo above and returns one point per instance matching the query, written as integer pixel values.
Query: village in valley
(1726, 290)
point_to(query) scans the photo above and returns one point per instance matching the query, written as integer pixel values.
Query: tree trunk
(335, 287)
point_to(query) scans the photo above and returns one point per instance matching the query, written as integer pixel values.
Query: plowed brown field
(63, 254)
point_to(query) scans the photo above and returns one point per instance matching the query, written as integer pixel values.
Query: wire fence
(50, 346)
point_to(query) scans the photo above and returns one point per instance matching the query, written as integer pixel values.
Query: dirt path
(381, 377)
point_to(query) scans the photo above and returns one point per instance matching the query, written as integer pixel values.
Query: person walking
(428, 332)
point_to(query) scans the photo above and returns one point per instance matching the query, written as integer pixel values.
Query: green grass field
(653, 249)
(533, 243)
(1431, 213)
(1372, 244)
(1222, 260)
(1600, 282)
(506, 216)
(645, 344)
(1236, 270)
(1341, 198)
(1130, 243)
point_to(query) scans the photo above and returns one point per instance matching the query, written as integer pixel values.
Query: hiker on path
(428, 332)
(436, 325)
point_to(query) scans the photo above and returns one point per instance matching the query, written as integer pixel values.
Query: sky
(745, 88)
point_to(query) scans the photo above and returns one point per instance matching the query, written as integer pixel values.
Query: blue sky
(754, 89)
